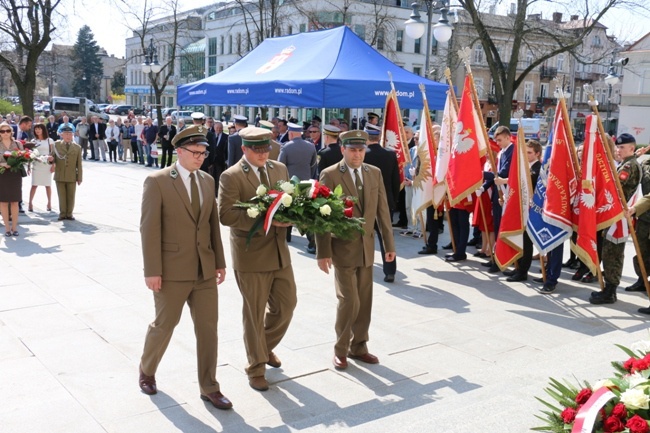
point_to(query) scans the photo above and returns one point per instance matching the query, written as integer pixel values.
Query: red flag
(464, 175)
(562, 184)
(599, 205)
(510, 243)
(392, 132)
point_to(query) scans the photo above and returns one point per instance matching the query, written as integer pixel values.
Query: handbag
(154, 150)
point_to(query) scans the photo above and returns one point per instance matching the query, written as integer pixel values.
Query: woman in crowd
(125, 145)
(11, 182)
(113, 138)
(42, 170)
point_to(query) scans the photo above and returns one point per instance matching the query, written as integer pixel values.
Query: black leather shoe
(604, 297)
(454, 258)
(428, 250)
(578, 275)
(636, 287)
(389, 278)
(473, 242)
(547, 289)
(568, 263)
(494, 269)
(147, 383)
(311, 250)
(400, 225)
(517, 277)
(510, 273)
(589, 278)
(481, 255)
(448, 247)
(488, 264)
(644, 310)
(538, 280)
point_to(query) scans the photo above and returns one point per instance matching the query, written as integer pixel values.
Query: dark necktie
(263, 177)
(196, 201)
(359, 185)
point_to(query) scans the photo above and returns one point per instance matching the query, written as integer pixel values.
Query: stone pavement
(460, 350)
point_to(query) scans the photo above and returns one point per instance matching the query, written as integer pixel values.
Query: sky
(108, 24)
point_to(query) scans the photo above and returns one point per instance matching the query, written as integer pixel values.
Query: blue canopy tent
(324, 69)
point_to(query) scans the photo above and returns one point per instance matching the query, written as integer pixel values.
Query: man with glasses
(314, 137)
(262, 267)
(183, 261)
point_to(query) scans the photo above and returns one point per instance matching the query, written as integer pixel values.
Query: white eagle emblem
(462, 142)
(588, 199)
(391, 141)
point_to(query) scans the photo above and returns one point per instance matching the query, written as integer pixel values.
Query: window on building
(380, 39)
(360, 30)
(576, 95)
(417, 70)
(434, 46)
(478, 83)
(229, 44)
(416, 47)
(528, 91)
(222, 42)
(543, 90)
(560, 62)
(238, 43)
(303, 28)
(212, 65)
(290, 30)
(529, 58)
(479, 55)
(399, 36)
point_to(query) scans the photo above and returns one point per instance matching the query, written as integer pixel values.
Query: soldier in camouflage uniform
(629, 174)
(642, 233)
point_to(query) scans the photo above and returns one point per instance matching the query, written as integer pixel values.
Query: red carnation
(583, 396)
(641, 364)
(348, 202)
(613, 424)
(619, 411)
(636, 424)
(629, 364)
(568, 415)
(348, 212)
(324, 191)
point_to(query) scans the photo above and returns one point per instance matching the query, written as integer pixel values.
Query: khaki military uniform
(67, 174)
(629, 174)
(643, 223)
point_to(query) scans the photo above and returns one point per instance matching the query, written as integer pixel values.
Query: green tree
(118, 82)
(25, 31)
(87, 66)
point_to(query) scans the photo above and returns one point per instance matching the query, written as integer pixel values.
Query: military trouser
(643, 236)
(612, 258)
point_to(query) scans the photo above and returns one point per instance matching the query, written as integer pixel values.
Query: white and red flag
(447, 129)
(619, 231)
(465, 174)
(562, 182)
(510, 243)
(426, 152)
(599, 205)
(392, 133)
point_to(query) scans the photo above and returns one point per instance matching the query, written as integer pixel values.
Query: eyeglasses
(6, 131)
(196, 153)
(313, 132)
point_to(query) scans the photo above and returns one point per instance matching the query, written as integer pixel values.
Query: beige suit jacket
(68, 162)
(174, 245)
(266, 252)
(360, 251)
(643, 205)
(275, 150)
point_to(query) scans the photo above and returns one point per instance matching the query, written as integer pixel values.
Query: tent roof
(324, 69)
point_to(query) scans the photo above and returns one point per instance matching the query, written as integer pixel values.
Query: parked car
(123, 110)
(185, 115)
(109, 108)
(101, 107)
(168, 111)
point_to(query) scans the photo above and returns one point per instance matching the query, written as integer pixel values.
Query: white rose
(642, 346)
(288, 187)
(636, 379)
(635, 399)
(325, 210)
(286, 200)
(605, 383)
(252, 212)
(261, 190)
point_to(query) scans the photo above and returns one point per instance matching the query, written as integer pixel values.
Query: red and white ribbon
(587, 414)
(273, 209)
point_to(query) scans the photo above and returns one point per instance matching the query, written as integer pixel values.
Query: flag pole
(400, 122)
(594, 106)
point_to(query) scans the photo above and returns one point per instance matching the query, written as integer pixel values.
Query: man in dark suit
(353, 259)
(221, 153)
(183, 261)
(283, 127)
(262, 267)
(52, 128)
(386, 161)
(234, 140)
(330, 154)
(166, 134)
(97, 135)
(503, 138)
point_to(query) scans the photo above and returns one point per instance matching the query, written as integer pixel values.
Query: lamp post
(611, 79)
(415, 27)
(151, 66)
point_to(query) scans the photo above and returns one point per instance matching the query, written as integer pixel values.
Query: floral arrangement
(307, 205)
(618, 404)
(17, 159)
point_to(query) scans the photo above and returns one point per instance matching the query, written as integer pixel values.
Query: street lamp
(151, 66)
(442, 31)
(611, 79)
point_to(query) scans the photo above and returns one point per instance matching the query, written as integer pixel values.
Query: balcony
(588, 76)
(546, 72)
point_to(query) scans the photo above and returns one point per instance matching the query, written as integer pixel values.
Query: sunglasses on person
(6, 131)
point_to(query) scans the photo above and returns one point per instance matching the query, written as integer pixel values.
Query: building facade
(635, 97)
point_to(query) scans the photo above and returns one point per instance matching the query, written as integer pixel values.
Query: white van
(75, 107)
(533, 128)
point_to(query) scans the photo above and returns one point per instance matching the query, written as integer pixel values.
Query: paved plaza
(461, 350)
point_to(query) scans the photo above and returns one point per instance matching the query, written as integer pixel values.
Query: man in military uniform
(629, 174)
(67, 172)
(275, 146)
(330, 154)
(642, 233)
(234, 140)
(640, 209)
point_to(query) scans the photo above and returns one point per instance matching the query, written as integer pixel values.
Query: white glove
(412, 171)
(479, 192)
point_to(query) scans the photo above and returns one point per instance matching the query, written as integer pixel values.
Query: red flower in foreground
(348, 202)
(348, 212)
(641, 364)
(583, 396)
(613, 424)
(629, 364)
(636, 424)
(568, 415)
(619, 411)
(324, 191)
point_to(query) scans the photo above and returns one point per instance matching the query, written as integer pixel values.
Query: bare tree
(526, 34)
(262, 19)
(26, 27)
